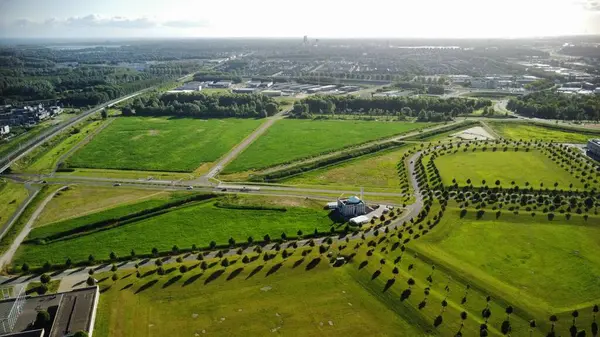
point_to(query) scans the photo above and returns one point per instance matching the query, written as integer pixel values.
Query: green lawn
(555, 262)
(78, 201)
(520, 167)
(162, 144)
(518, 131)
(322, 301)
(32, 287)
(198, 224)
(373, 171)
(45, 158)
(11, 196)
(289, 140)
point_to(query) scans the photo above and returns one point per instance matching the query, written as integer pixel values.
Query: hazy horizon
(432, 19)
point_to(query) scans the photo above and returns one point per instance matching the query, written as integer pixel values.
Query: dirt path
(8, 255)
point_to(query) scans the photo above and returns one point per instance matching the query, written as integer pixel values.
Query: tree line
(200, 105)
(423, 107)
(552, 105)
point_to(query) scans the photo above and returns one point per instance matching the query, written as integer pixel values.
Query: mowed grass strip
(322, 301)
(518, 131)
(78, 201)
(520, 167)
(162, 144)
(197, 224)
(288, 140)
(377, 170)
(11, 196)
(554, 261)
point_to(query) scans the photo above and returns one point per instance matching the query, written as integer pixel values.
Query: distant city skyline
(271, 18)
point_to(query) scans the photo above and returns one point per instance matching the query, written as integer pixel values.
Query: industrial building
(244, 90)
(4, 130)
(222, 84)
(272, 93)
(27, 115)
(593, 148)
(70, 312)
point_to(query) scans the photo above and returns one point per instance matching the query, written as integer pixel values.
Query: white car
(190, 188)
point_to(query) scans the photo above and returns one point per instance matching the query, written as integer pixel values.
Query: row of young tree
(552, 105)
(200, 105)
(406, 106)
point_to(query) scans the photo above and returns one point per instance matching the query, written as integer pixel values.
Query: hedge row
(114, 222)
(342, 156)
(249, 207)
(452, 127)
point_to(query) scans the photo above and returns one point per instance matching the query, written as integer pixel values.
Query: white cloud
(94, 20)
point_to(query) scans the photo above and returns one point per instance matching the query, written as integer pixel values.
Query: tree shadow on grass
(194, 266)
(149, 272)
(395, 246)
(126, 276)
(146, 286)
(170, 270)
(256, 270)
(405, 294)
(122, 264)
(143, 262)
(274, 269)
(56, 273)
(313, 263)
(254, 258)
(234, 274)
(104, 265)
(389, 284)
(213, 264)
(105, 289)
(30, 278)
(171, 281)
(363, 264)
(127, 286)
(297, 263)
(77, 270)
(102, 279)
(214, 276)
(192, 279)
(375, 274)
(11, 279)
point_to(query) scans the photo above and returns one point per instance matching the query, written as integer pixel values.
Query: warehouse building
(593, 148)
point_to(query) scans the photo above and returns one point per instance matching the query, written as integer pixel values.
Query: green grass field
(372, 171)
(520, 167)
(289, 140)
(11, 196)
(45, 158)
(555, 262)
(78, 201)
(518, 131)
(162, 144)
(198, 224)
(322, 301)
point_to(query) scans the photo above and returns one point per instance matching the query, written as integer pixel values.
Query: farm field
(81, 200)
(526, 254)
(11, 196)
(518, 131)
(295, 301)
(197, 223)
(371, 171)
(289, 140)
(162, 144)
(127, 174)
(520, 167)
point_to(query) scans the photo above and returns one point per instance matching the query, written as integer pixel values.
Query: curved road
(77, 276)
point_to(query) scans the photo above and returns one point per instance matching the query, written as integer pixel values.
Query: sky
(284, 18)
